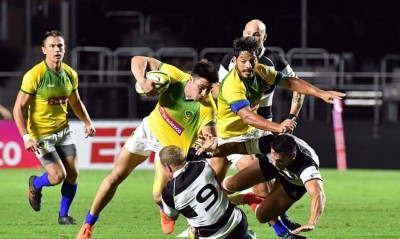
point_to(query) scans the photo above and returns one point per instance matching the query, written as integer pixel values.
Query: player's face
(254, 31)
(246, 64)
(198, 88)
(281, 161)
(54, 49)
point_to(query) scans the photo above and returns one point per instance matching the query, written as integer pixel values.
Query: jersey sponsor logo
(51, 85)
(57, 100)
(171, 122)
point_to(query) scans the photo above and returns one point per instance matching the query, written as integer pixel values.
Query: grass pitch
(360, 204)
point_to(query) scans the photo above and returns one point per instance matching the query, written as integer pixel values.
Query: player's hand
(206, 143)
(149, 87)
(330, 96)
(293, 119)
(305, 228)
(31, 145)
(90, 131)
(287, 126)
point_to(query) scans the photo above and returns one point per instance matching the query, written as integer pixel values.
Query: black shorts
(269, 171)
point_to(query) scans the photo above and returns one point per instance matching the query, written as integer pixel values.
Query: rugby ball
(159, 76)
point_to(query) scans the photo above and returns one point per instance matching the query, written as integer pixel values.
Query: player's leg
(245, 178)
(135, 151)
(70, 185)
(160, 181)
(221, 166)
(272, 207)
(261, 189)
(275, 205)
(126, 162)
(54, 174)
(66, 149)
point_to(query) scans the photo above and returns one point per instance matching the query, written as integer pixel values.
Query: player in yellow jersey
(46, 90)
(239, 97)
(185, 110)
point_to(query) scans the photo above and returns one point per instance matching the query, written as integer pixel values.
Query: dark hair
(205, 69)
(284, 144)
(53, 33)
(248, 43)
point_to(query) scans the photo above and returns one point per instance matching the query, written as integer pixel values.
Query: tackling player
(293, 162)
(194, 192)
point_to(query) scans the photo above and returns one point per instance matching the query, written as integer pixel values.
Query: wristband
(291, 116)
(26, 137)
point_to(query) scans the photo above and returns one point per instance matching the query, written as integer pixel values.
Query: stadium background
(362, 35)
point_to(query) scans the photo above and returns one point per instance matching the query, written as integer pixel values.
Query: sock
(280, 228)
(252, 200)
(68, 192)
(90, 219)
(42, 181)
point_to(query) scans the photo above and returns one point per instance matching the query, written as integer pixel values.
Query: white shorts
(142, 141)
(49, 143)
(254, 134)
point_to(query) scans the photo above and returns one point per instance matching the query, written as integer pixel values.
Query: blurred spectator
(5, 113)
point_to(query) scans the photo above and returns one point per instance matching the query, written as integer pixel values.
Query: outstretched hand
(330, 96)
(206, 143)
(304, 228)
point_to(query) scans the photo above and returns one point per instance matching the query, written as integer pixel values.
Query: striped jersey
(49, 91)
(305, 166)
(177, 120)
(195, 193)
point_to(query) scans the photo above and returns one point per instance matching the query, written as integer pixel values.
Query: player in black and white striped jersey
(284, 157)
(194, 192)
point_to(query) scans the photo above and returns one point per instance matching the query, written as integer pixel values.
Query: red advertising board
(12, 150)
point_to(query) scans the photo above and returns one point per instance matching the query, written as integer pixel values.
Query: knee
(157, 198)
(262, 218)
(115, 179)
(57, 177)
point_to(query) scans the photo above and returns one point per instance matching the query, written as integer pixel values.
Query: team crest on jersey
(188, 116)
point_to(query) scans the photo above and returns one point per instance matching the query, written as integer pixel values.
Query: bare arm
(315, 189)
(259, 122)
(19, 107)
(303, 87)
(297, 103)
(139, 65)
(80, 111)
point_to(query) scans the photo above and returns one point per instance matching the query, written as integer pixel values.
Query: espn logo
(108, 142)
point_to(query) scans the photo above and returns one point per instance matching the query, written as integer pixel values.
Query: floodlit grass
(360, 204)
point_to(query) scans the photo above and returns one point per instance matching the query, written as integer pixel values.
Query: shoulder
(38, 69)
(226, 60)
(174, 72)
(277, 60)
(69, 70)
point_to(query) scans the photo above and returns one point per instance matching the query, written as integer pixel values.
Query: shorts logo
(57, 100)
(188, 116)
(171, 122)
